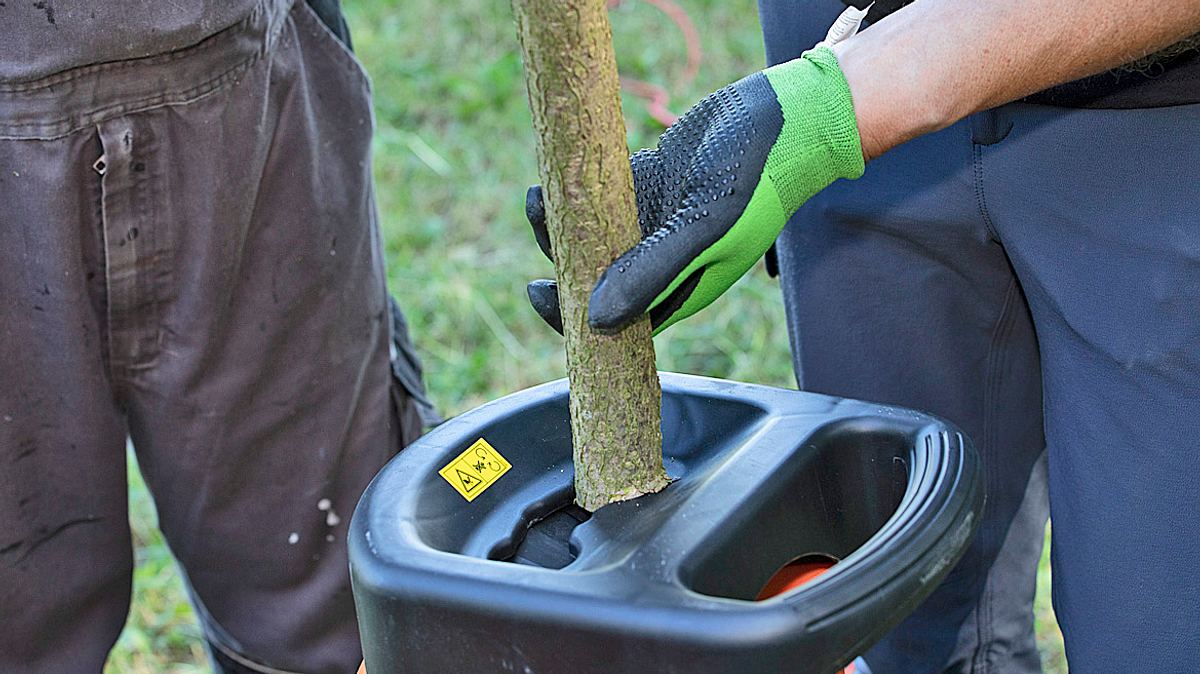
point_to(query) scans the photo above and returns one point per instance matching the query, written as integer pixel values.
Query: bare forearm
(937, 61)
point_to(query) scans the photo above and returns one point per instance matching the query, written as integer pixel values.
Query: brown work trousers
(191, 260)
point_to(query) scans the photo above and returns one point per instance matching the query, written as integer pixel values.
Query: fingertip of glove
(535, 212)
(609, 312)
(535, 206)
(543, 296)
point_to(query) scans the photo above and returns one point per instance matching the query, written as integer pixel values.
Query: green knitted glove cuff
(819, 141)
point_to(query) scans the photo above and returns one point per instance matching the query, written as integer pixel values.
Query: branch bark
(574, 95)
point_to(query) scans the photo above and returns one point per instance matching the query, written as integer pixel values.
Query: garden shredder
(467, 554)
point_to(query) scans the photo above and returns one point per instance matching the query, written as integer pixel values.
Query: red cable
(656, 96)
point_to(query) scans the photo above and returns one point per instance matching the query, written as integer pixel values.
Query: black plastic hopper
(517, 580)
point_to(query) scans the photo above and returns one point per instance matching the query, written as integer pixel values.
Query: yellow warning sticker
(476, 469)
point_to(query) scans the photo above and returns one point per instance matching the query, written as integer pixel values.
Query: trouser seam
(133, 251)
(115, 369)
(980, 196)
(994, 363)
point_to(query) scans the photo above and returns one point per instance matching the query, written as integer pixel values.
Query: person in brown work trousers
(192, 262)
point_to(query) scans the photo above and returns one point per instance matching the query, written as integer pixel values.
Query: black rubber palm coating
(690, 190)
(693, 188)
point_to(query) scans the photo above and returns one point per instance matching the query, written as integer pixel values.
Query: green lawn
(454, 153)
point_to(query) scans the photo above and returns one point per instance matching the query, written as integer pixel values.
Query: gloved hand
(717, 190)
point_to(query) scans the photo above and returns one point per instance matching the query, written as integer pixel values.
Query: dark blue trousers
(1032, 274)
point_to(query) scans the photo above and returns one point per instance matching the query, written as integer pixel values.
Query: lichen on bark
(591, 214)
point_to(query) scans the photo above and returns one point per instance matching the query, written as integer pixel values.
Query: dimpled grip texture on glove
(719, 188)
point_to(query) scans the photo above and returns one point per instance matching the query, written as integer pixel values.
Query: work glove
(716, 192)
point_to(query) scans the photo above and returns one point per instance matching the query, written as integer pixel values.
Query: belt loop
(990, 126)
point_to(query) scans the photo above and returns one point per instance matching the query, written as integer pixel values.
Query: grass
(453, 155)
(161, 635)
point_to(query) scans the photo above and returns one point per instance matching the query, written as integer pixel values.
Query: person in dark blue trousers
(1031, 272)
(1020, 255)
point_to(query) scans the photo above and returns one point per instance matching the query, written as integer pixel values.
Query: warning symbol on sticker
(476, 469)
(469, 482)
